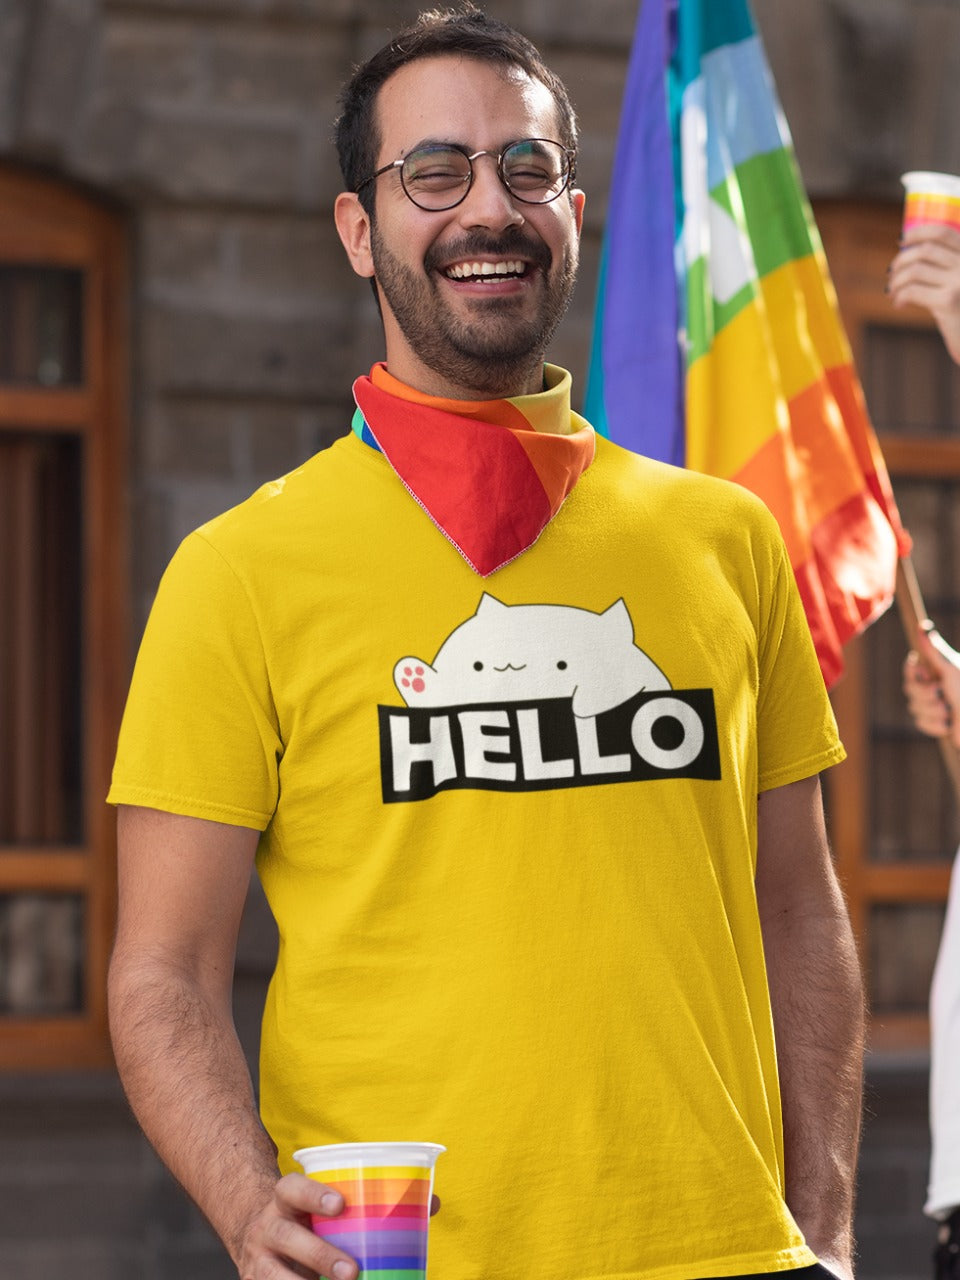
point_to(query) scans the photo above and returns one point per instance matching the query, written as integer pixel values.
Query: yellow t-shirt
(509, 837)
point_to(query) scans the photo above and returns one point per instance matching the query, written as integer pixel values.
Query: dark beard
(497, 353)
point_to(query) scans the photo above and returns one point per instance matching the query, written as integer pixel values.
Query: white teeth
(466, 270)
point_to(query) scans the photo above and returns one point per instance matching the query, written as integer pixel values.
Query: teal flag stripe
(594, 404)
(706, 27)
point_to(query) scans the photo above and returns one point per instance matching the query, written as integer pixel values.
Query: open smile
(487, 271)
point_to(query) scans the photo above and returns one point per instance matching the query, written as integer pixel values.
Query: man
(926, 273)
(523, 732)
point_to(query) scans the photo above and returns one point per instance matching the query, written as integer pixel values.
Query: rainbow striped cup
(386, 1188)
(931, 197)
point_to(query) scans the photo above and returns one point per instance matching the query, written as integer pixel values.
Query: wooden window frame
(46, 222)
(860, 241)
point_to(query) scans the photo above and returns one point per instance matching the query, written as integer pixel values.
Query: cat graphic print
(538, 696)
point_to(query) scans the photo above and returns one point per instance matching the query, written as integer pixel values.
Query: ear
(490, 605)
(618, 621)
(353, 228)
(578, 199)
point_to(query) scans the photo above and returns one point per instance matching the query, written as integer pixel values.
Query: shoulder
(708, 500)
(308, 505)
(277, 501)
(242, 546)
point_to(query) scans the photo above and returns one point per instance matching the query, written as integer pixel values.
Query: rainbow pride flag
(718, 343)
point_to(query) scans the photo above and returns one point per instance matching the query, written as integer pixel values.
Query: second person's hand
(926, 273)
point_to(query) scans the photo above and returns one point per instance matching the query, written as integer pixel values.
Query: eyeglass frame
(569, 154)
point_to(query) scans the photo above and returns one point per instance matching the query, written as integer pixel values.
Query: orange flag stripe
(827, 457)
(737, 394)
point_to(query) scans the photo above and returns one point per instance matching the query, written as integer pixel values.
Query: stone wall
(208, 122)
(871, 88)
(211, 124)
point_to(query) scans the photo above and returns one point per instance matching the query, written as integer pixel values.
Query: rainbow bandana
(490, 474)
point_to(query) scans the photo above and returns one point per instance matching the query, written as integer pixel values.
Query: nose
(488, 203)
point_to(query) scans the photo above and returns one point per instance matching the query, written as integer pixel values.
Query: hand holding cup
(926, 271)
(387, 1193)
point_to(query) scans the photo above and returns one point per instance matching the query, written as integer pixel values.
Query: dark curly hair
(467, 31)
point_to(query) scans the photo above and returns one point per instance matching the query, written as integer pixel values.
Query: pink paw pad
(413, 679)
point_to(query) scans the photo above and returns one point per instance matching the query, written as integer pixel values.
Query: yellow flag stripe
(780, 344)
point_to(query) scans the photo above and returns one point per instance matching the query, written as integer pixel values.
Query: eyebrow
(464, 146)
(435, 142)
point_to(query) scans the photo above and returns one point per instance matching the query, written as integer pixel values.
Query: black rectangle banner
(537, 746)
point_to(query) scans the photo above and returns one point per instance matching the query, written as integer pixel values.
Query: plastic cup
(386, 1188)
(931, 197)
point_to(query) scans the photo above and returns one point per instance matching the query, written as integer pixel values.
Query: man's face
(450, 330)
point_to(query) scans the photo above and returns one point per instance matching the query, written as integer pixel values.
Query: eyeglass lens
(437, 177)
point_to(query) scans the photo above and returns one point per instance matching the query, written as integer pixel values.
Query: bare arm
(817, 1000)
(182, 884)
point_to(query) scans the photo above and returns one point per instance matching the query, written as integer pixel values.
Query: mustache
(478, 244)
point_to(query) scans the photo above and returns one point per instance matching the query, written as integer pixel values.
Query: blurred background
(178, 324)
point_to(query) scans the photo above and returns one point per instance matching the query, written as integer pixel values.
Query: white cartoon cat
(526, 652)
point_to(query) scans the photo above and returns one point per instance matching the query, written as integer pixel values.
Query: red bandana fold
(490, 474)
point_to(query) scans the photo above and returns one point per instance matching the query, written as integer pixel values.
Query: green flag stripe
(705, 316)
(766, 192)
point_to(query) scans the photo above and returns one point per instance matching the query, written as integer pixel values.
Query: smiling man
(523, 734)
(473, 274)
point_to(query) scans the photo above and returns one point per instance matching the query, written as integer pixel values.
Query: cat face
(517, 653)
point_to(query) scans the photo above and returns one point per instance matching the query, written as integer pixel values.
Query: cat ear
(618, 621)
(490, 604)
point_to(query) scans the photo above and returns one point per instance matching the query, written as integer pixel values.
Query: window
(893, 813)
(62, 635)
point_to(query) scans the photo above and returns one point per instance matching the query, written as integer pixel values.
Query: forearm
(817, 1000)
(187, 1081)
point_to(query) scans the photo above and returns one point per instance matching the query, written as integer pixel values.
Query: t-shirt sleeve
(200, 733)
(796, 728)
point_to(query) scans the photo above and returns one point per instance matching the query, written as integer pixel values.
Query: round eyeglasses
(438, 175)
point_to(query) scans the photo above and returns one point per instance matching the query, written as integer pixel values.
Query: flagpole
(913, 615)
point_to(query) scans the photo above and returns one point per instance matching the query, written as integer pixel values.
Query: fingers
(926, 273)
(931, 685)
(932, 233)
(929, 259)
(300, 1196)
(281, 1242)
(930, 714)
